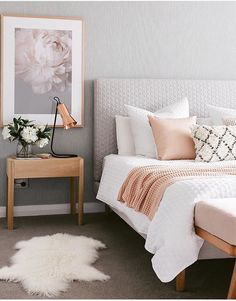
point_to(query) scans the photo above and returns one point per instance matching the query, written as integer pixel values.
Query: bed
(170, 235)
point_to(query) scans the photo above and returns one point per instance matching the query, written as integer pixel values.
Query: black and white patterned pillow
(214, 143)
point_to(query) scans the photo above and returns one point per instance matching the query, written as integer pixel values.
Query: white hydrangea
(29, 134)
(6, 133)
(42, 142)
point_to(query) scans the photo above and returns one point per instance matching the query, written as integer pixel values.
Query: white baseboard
(54, 209)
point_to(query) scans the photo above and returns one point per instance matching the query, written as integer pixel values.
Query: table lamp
(68, 122)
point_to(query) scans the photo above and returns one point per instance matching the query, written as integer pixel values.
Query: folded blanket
(144, 187)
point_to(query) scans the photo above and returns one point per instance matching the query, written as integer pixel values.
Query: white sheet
(170, 235)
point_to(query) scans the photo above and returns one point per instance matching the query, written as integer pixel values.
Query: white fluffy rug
(46, 265)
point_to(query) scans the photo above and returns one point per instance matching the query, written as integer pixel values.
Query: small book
(44, 155)
(32, 157)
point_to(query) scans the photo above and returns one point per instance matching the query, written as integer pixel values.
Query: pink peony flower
(43, 59)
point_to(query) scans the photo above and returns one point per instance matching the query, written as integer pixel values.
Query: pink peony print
(43, 59)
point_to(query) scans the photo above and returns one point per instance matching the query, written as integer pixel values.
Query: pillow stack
(170, 134)
(139, 128)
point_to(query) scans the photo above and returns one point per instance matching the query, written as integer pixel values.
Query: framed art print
(41, 57)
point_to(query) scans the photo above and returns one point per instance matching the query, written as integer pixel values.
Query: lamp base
(63, 155)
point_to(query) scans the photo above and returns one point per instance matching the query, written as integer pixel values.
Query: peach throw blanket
(144, 187)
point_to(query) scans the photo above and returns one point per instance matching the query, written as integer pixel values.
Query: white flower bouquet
(27, 134)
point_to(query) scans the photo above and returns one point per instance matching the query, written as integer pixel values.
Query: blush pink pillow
(173, 137)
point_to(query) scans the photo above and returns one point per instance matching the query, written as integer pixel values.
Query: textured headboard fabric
(110, 95)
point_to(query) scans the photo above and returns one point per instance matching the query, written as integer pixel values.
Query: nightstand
(46, 168)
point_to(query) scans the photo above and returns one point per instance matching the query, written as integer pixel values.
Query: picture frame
(41, 57)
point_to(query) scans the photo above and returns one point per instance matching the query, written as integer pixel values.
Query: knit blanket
(144, 186)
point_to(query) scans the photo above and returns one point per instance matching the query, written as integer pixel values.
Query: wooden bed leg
(180, 281)
(232, 287)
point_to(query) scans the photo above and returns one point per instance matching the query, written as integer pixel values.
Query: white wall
(194, 40)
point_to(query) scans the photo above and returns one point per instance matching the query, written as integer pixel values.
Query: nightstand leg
(10, 202)
(81, 193)
(6, 197)
(72, 196)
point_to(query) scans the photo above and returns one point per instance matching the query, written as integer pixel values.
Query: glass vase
(23, 150)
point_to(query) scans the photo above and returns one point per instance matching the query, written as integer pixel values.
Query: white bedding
(170, 235)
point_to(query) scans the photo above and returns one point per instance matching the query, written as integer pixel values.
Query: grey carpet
(125, 261)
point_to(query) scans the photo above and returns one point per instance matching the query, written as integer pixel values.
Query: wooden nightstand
(46, 168)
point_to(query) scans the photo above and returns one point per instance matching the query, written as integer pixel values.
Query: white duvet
(170, 235)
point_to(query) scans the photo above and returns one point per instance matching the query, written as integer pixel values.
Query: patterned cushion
(214, 143)
(229, 121)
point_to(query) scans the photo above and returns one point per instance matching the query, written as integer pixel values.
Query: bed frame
(110, 95)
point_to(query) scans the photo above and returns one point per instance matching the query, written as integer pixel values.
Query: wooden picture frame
(41, 57)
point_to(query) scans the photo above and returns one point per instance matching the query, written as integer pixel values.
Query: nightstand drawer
(45, 168)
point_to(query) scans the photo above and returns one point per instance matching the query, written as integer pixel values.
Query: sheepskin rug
(46, 265)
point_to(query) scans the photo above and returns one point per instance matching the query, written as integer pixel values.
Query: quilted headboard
(110, 95)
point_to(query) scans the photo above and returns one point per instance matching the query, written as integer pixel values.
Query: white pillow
(141, 130)
(124, 137)
(204, 121)
(217, 114)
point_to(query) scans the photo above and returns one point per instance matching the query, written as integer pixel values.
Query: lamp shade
(67, 119)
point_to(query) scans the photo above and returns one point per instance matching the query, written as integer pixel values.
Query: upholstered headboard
(151, 94)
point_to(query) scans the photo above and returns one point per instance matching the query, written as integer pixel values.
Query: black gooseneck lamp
(68, 122)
